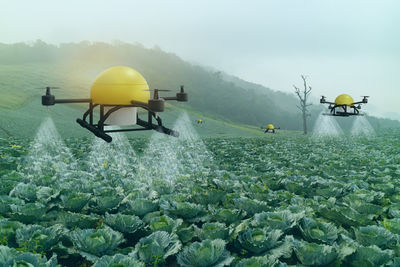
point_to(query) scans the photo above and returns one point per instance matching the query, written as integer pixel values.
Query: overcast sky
(343, 46)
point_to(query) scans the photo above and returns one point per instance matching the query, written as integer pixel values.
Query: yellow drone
(119, 91)
(270, 128)
(344, 106)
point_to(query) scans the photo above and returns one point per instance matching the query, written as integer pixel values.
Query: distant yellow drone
(270, 128)
(344, 106)
(200, 121)
(119, 91)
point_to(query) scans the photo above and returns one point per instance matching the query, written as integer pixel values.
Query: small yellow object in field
(16, 146)
(105, 164)
(270, 127)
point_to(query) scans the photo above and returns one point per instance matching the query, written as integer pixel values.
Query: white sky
(344, 46)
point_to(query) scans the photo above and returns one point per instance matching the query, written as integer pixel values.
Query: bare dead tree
(303, 96)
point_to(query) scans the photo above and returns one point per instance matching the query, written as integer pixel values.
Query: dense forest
(74, 66)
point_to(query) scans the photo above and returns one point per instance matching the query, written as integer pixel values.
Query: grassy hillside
(74, 67)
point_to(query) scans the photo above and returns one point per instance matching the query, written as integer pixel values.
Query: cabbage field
(276, 200)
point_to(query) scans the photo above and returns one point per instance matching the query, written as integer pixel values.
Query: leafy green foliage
(93, 243)
(12, 257)
(282, 220)
(258, 240)
(74, 201)
(315, 254)
(124, 223)
(165, 223)
(37, 238)
(157, 247)
(370, 256)
(206, 253)
(278, 201)
(375, 235)
(8, 231)
(213, 231)
(118, 260)
(316, 231)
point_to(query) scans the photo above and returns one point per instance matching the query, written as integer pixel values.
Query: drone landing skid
(342, 114)
(99, 131)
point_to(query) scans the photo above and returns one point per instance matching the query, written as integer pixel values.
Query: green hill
(221, 98)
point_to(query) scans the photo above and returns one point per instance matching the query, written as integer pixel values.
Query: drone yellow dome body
(344, 99)
(270, 127)
(119, 86)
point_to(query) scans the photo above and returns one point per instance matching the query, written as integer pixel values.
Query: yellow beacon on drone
(119, 91)
(344, 105)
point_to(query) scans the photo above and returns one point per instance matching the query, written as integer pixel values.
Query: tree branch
(297, 90)
(309, 90)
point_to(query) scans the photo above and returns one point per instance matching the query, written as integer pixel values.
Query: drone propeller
(48, 87)
(365, 96)
(159, 90)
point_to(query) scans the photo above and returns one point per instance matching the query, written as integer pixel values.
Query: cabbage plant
(94, 243)
(207, 196)
(29, 212)
(138, 206)
(188, 211)
(157, 247)
(73, 220)
(164, 223)
(259, 240)
(251, 206)
(370, 256)
(6, 202)
(393, 225)
(124, 223)
(186, 234)
(24, 191)
(74, 201)
(260, 261)
(38, 238)
(118, 260)
(208, 253)
(314, 254)
(213, 231)
(375, 235)
(316, 231)
(282, 220)
(228, 216)
(10, 257)
(105, 201)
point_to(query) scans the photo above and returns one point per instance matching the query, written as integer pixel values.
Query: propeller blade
(159, 90)
(54, 87)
